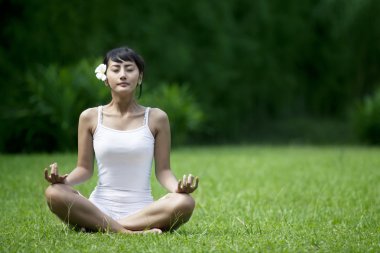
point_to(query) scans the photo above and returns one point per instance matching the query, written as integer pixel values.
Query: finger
(179, 188)
(188, 188)
(58, 178)
(54, 164)
(54, 172)
(196, 183)
(182, 186)
(47, 175)
(190, 180)
(188, 185)
(52, 168)
(184, 181)
(53, 177)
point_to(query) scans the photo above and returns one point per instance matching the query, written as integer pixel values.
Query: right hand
(187, 184)
(54, 177)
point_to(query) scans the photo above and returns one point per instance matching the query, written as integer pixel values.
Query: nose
(123, 75)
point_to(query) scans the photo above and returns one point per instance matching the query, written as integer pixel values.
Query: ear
(140, 78)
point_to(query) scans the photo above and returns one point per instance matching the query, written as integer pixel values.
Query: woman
(125, 137)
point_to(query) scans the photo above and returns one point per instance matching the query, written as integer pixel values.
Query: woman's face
(123, 77)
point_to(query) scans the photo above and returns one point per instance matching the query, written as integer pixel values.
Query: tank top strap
(100, 114)
(146, 116)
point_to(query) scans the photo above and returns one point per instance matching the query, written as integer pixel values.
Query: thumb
(179, 186)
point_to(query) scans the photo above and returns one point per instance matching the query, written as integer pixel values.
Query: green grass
(254, 198)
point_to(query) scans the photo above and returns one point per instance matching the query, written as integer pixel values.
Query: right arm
(85, 163)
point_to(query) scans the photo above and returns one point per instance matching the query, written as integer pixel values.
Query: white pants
(119, 203)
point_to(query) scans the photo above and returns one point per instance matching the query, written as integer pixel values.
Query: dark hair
(125, 54)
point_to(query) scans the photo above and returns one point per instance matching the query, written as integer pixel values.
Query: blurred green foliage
(249, 63)
(185, 115)
(366, 119)
(49, 117)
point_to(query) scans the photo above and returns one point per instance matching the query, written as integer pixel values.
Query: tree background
(250, 70)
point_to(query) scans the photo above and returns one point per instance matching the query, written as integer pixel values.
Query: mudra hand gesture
(187, 184)
(54, 177)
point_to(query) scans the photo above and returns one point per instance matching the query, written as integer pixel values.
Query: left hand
(187, 184)
(54, 177)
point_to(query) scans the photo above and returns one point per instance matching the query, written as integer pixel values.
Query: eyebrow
(118, 65)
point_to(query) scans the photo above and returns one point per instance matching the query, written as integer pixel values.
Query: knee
(184, 203)
(54, 195)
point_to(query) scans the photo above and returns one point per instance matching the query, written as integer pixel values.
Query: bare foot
(144, 232)
(152, 231)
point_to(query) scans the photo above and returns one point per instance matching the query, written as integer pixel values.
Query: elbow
(89, 173)
(158, 177)
(85, 173)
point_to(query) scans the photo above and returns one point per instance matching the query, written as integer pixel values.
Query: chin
(124, 91)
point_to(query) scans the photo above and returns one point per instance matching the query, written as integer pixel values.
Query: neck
(123, 104)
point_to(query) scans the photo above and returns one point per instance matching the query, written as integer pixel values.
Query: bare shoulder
(158, 116)
(89, 114)
(88, 118)
(158, 121)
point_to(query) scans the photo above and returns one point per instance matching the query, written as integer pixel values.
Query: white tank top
(124, 158)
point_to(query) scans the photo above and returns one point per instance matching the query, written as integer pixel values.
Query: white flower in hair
(100, 72)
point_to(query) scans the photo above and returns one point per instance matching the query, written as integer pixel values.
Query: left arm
(164, 174)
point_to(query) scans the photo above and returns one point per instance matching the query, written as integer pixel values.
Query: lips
(123, 84)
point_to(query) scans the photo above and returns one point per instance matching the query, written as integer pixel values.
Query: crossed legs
(167, 213)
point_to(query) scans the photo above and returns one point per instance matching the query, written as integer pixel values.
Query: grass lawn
(251, 198)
